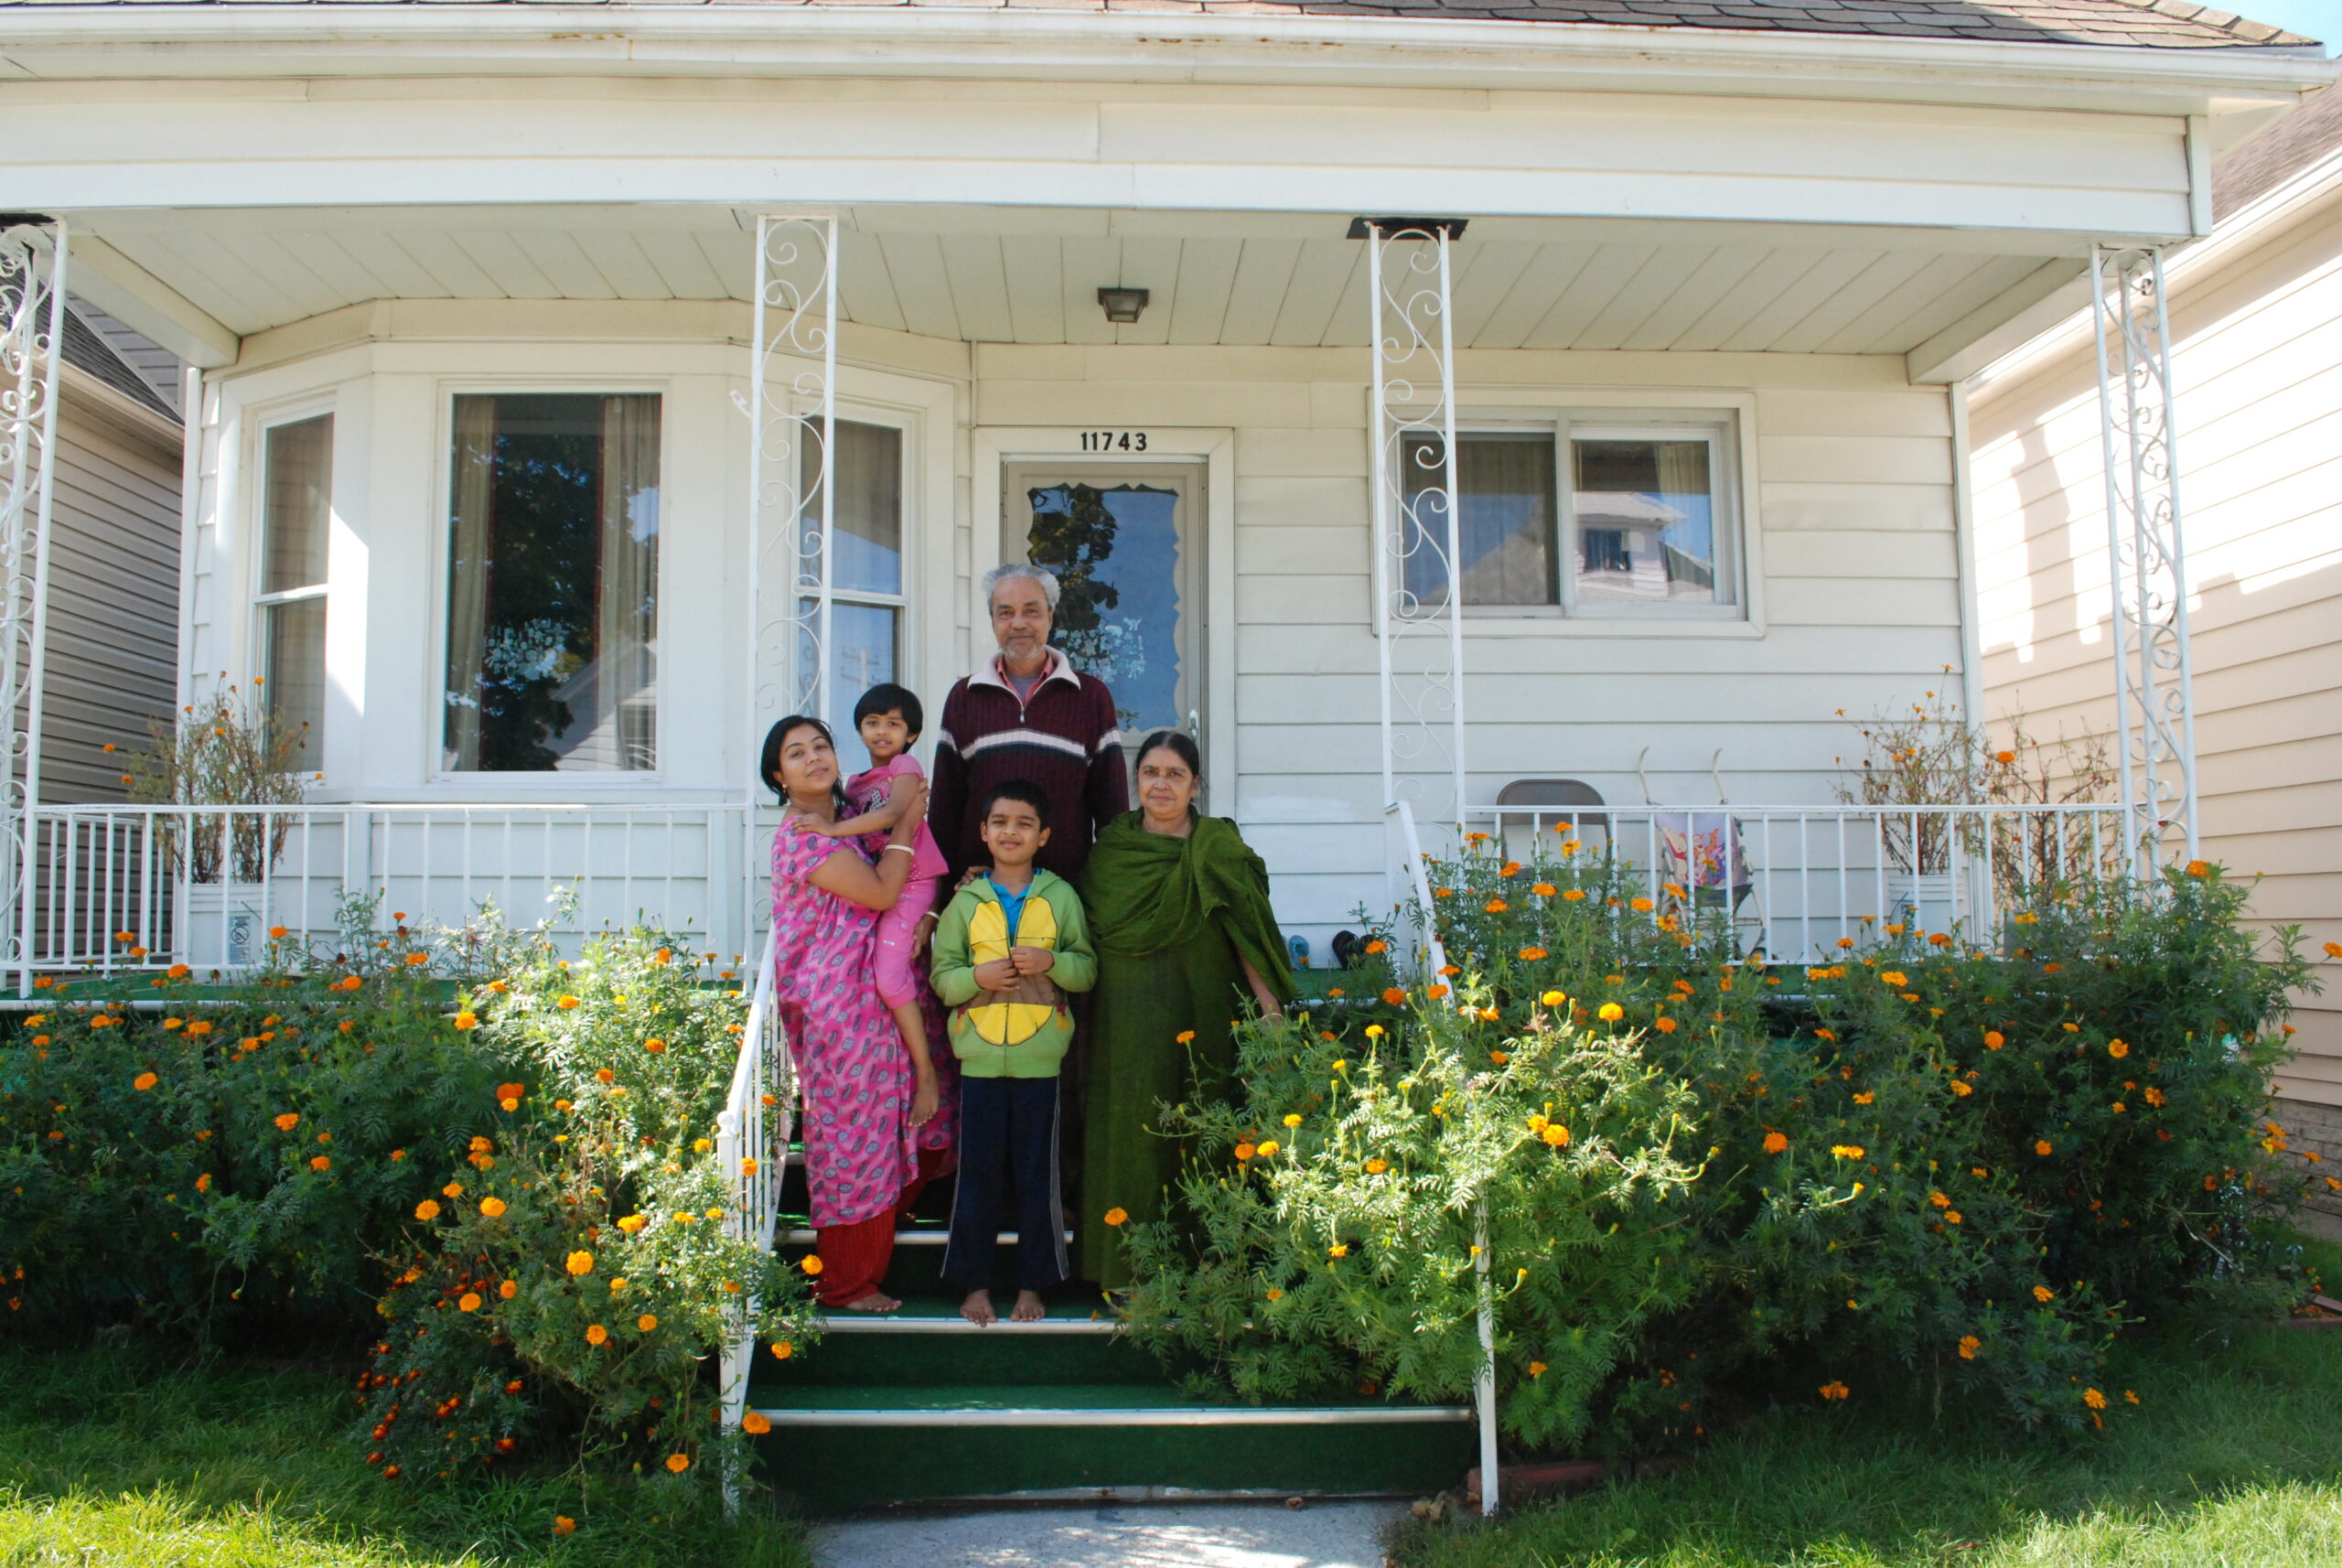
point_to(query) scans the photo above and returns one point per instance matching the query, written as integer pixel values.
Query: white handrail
(763, 1077)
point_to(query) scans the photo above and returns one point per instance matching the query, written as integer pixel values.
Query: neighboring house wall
(113, 592)
(1851, 541)
(2257, 323)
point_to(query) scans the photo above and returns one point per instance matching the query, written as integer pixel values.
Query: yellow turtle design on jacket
(1022, 1032)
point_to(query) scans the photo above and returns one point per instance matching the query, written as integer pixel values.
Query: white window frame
(909, 428)
(258, 602)
(1730, 416)
(442, 580)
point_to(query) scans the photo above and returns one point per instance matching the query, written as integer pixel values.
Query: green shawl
(1170, 917)
(1145, 892)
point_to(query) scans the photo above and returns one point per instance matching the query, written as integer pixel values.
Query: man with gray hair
(1027, 714)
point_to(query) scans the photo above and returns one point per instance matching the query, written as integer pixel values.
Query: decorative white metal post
(792, 402)
(32, 349)
(1418, 611)
(2155, 704)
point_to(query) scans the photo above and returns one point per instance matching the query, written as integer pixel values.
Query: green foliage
(578, 1260)
(1981, 1165)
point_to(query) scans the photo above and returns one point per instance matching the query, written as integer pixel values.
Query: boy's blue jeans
(1008, 1129)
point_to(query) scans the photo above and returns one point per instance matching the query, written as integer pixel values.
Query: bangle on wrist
(907, 849)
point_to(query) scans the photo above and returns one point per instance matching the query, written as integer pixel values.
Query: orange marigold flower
(415, 959)
(203, 1182)
(2041, 1146)
(2093, 1397)
(467, 1020)
(579, 1262)
(1435, 992)
(810, 1263)
(1573, 896)
(1531, 955)
(1963, 1089)
(507, 1290)
(1377, 1167)
(563, 1525)
(468, 1302)
(1830, 1035)
(178, 971)
(596, 1334)
(1969, 1345)
(1542, 889)
(1537, 1369)
(1117, 1216)
(144, 1081)
(1496, 906)
(1642, 906)
(320, 1162)
(2199, 868)
(1835, 1391)
(654, 1046)
(566, 1003)
(1993, 1040)
(2044, 1293)
(632, 1223)
(604, 1075)
(2117, 1049)
(782, 1349)
(1184, 1037)
(491, 1207)
(755, 1423)
(1776, 1142)
(1847, 1151)
(1866, 1098)
(1555, 1134)
(1665, 1026)
(287, 1121)
(646, 1322)
(427, 1210)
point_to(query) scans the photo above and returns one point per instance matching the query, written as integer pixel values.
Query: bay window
(297, 512)
(553, 600)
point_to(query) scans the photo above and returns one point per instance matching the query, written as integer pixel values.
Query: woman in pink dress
(865, 1161)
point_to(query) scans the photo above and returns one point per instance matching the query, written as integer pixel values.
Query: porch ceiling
(1023, 276)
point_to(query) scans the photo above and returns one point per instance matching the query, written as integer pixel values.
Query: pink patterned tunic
(852, 1065)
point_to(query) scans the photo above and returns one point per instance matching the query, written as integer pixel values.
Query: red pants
(854, 1257)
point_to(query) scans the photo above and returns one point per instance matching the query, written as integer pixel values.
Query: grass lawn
(112, 1456)
(2234, 1460)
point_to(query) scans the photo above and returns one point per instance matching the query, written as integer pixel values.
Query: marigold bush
(1919, 1160)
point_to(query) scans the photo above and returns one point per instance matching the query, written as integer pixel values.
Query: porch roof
(2143, 24)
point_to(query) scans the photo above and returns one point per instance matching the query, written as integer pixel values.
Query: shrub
(575, 1266)
(1924, 1153)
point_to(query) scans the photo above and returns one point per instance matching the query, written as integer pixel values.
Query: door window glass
(1117, 554)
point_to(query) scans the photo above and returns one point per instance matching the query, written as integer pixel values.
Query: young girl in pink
(889, 718)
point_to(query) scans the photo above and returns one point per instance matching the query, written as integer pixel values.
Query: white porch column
(1418, 613)
(2147, 563)
(32, 349)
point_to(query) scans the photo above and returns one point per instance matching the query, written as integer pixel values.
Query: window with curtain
(1643, 507)
(865, 568)
(296, 511)
(1648, 528)
(553, 601)
(1504, 486)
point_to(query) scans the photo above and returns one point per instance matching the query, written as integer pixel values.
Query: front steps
(922, 1405)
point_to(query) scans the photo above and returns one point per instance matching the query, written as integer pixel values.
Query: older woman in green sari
(1179, 907)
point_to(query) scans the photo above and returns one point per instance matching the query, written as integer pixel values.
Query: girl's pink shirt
(865, 790)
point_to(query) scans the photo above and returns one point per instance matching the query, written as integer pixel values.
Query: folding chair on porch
(1526, 806)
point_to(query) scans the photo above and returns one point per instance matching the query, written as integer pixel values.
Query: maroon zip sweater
(1064, 739)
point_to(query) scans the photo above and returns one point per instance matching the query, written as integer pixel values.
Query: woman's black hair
(888, 698)
(1179, 744)
(769, 766)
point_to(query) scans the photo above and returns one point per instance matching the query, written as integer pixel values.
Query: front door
(1125, 541)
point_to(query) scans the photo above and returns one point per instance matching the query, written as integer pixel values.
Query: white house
(499, 453)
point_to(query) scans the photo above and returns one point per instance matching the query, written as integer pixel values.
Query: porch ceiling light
(1121, 305)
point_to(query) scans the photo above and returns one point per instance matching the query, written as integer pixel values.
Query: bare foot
(1030, 1308)
(977, 1308)
(877, 1301)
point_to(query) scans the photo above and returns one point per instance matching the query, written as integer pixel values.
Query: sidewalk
(1156, 1535)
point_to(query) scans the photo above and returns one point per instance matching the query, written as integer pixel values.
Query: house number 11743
(1113, 441)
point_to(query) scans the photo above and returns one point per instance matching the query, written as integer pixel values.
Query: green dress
(1170, 917)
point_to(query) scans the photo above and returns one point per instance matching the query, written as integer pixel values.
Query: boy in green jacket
(1008, 948)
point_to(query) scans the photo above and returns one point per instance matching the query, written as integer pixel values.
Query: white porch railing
(142, 887)
(1795, 879)
(757, 1122)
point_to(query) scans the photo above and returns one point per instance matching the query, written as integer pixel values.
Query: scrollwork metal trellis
(32, 345)
(1419, 633)
(2147, 563)
(791, 464)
